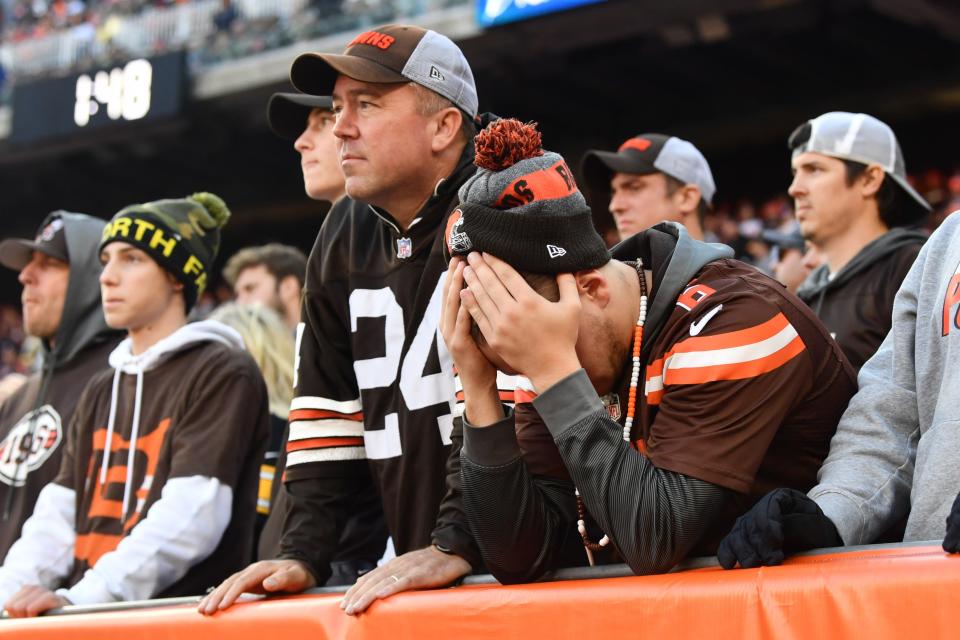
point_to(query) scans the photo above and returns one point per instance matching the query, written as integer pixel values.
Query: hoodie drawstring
(108, 442)
(132, 450)
(132, 445)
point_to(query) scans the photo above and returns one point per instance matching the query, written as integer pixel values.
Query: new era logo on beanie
(523, 206)
(393, 53)
(182, 236)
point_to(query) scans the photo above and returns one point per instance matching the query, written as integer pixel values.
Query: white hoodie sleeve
(182, 528)
(44, 553)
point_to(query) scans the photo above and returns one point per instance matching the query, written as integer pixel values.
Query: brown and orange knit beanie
(523, 206)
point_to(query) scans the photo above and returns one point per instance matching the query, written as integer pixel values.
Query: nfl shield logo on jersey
(611, 403)
(404, 248)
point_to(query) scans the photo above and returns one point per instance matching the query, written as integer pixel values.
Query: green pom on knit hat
(181, 235)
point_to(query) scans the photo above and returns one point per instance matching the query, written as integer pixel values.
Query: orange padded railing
(878, 593)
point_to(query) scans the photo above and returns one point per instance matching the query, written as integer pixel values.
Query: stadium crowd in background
(372, 436)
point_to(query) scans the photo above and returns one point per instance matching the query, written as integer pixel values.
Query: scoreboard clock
(111, 98)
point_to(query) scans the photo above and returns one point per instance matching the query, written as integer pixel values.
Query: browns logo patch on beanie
(182, 236)
(523, 206)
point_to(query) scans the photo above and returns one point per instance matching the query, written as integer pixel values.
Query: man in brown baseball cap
(374, 388)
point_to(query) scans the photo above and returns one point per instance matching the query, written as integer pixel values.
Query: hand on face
(535, 337)
(478, 376)
(455, 325)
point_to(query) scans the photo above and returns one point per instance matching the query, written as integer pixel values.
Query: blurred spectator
(787, 251)
(308, 121)
(10, 384)
(271, 346)
(271, 275)
(855, 206)
(61, 307)
(224, 18)
(650, 178)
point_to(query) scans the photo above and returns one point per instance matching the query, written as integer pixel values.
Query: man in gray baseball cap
(855, 206)
(650, 178)
(405, 105)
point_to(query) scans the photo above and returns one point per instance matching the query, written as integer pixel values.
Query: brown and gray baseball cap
(50, 240)
(650, 153)
(287, 112)
(858, 137)
(389, 54)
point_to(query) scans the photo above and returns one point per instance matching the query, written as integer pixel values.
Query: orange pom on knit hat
(523, 206)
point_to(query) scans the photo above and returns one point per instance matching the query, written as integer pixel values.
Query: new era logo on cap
(435, 74)
(555, 251)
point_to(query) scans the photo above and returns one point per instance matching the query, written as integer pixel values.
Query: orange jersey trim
(323, 443)
(324, 414)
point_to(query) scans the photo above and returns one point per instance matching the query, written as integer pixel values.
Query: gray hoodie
(897, 447)
(33, 420)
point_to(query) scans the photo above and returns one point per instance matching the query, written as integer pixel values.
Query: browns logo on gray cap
(389, 54)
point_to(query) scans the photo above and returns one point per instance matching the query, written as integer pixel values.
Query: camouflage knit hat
(182, 236)
(523, 206)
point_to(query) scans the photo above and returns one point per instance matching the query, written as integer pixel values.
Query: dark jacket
(857, 303)
(33, 420)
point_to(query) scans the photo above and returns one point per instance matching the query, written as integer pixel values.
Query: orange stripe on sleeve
(739, 338)
(323, 443)
(737, 370)
(323, 414)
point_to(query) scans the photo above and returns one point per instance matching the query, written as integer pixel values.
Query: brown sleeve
(226, 418)
(727, 390)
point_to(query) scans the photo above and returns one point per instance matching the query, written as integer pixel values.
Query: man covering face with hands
(674, 382)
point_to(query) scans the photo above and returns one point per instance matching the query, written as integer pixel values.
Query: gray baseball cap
(389, 54)
(650, 153)
(858, 137)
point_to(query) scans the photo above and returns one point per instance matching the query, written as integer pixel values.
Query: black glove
(951, 542)
(783, 521)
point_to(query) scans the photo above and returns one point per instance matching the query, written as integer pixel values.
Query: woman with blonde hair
(271, 345)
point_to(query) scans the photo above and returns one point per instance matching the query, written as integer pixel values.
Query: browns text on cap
(390, 54)
(287, 113)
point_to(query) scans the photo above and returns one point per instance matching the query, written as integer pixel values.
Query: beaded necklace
(592, 547)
